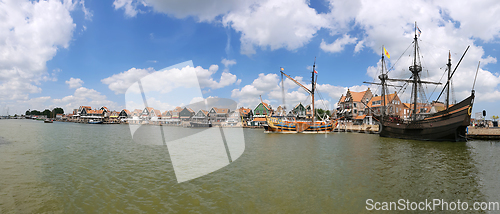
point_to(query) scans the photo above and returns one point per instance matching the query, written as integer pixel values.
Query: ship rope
(421, 91)
(283, 92)
(392, 67)
(439, 81)
(453, 92)
(324, 104)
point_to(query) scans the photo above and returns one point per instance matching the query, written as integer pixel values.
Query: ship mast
(382, 78)
(312, 89)
(448, 83)
(415, 69)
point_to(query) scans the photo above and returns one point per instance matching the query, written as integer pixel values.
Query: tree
(47, 113)
(56, 111)
(28, 112)
(494, 117)
(35, 112)
(320, 113)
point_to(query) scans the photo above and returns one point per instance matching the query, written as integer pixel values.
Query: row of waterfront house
(357, 107)
(216, 116)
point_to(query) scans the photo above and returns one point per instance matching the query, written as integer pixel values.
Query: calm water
(78, 168)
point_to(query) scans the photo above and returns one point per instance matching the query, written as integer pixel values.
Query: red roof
(266, 105)
(388, 98)
(244, 111)
(342, 98)
(95, 111)
(360, 117)
(177, 109)
(221, 110)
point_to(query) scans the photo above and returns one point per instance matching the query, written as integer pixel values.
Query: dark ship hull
(446, 125)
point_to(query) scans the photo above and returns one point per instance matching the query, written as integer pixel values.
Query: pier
(483, 133)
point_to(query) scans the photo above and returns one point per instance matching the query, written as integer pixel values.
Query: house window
(355, 111)
(355, 106)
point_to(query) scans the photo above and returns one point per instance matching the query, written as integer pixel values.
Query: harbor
(259, 106)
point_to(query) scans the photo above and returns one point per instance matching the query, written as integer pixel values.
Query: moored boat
(95, 122)
(48, 121)
(283, 124)
(448, 124)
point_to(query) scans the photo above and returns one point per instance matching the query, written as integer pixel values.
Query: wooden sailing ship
(283, 124)
(448, 124)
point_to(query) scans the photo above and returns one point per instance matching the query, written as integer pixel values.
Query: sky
(87, 52)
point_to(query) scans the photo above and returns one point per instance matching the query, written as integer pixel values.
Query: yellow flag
(387, 53)
(282, 69)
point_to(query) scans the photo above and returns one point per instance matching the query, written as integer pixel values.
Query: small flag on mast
(419, 31)
(282, 69)
(387, 53)
(316, 72)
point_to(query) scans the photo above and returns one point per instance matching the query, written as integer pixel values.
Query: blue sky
(72, 53)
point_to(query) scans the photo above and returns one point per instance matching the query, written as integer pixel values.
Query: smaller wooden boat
(281, 124)
(48, 121)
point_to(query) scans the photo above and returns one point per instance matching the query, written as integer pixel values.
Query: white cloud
(87, 12)
(275, 24)
(359, 46)
(119, 83)
(166, 80)
(128, 5)
(87, 97)
(480, 19)
(196, 99)
(206, 10)
(31, 32)
(39, 103)
(206, 80)
(247, 96)
(250, 94)
(227, 63)
(81, 96)
(266, 82)
(74, 82)
(338, 45)
(266, 24)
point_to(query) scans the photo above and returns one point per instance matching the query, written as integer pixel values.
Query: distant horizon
(68, 53)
